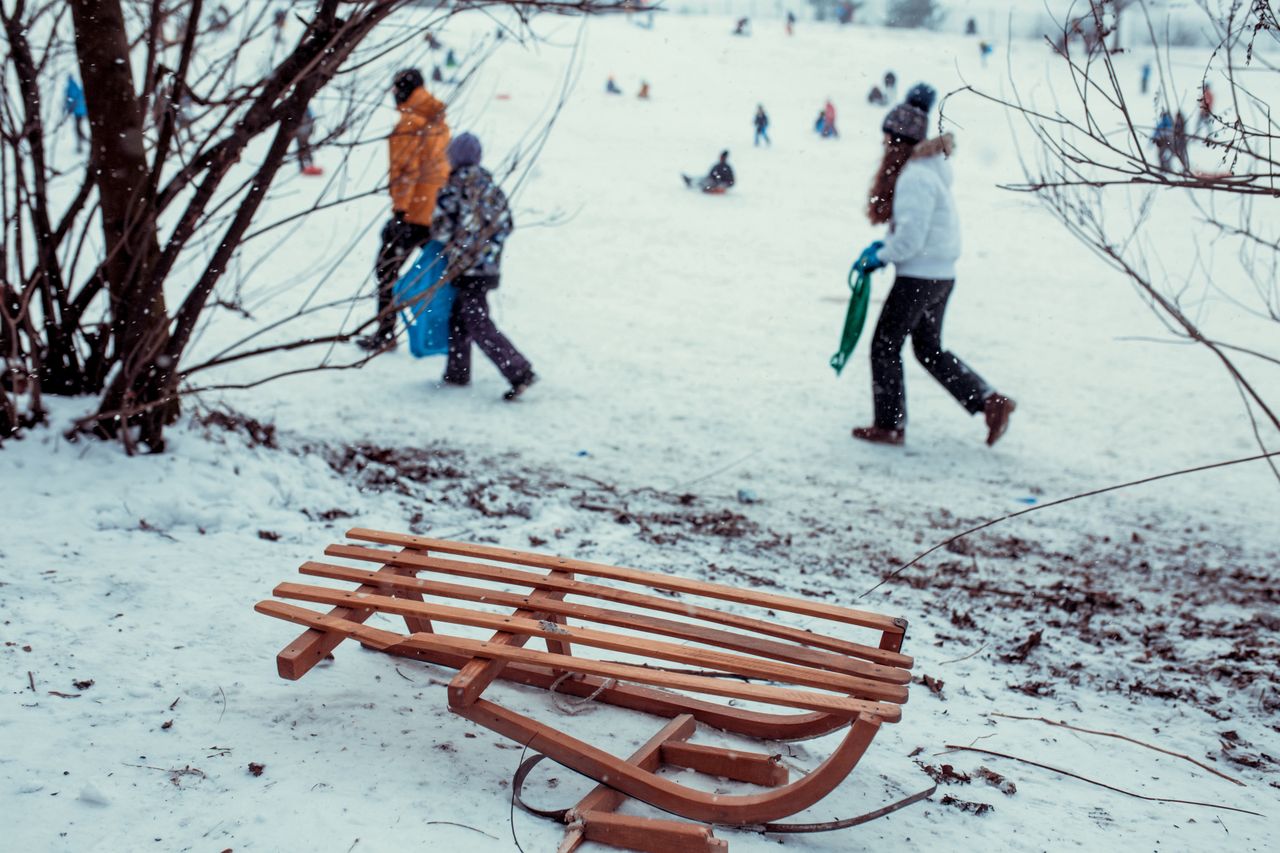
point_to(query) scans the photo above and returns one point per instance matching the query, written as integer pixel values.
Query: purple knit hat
(464, 150)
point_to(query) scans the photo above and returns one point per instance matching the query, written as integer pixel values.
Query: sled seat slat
(626, 619)
(387, 640)
(752, 667)
(888, 657)
(651, 579)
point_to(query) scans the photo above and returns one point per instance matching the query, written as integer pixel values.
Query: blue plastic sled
(427, 322)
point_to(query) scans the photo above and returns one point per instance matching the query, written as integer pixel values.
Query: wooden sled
(800, 682)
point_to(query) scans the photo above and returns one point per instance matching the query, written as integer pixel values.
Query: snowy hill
(682, 344)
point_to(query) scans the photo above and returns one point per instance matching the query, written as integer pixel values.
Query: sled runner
(427, 321)
(756, 664)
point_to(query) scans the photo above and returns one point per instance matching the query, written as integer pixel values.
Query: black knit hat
(922, 95)
(406, 82)
(907, 121)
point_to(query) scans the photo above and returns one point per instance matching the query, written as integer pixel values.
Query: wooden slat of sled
(760, 646)
(478, 571)
(752, 667)
(296, 659)
(754, 767)
(476, 675)
(636, 576)
(663, 703)
(602, 798)
(780, 696)
(649, 835)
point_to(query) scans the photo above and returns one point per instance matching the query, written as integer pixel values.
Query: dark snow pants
(399, 240)
(469, 322)
(915, 307)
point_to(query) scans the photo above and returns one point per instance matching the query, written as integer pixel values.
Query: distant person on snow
(1162, 136)
(971, 27)
(826, 123)
(278, 20)
(220, 19)
(473, 220)
(718, 180)
(437, 76)
(643, 94)
(890, 85)
(611, 86)
(762, 126)
(791, 23)
(1180, 141)
(1205, 103)
(450, 59)
(876, 97)
(743, 27)
(77, 109)
(302, 136)
(419, 169)
(985, 49)
(1146, 76)
(912, 194)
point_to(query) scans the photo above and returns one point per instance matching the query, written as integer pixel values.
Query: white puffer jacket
(924, 234)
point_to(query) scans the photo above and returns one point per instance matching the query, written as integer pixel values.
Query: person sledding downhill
(718, 179)
(473, 220)
(417, 172)
(912, 193)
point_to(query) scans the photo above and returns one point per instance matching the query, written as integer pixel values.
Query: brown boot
(996, 409)
(880, 435)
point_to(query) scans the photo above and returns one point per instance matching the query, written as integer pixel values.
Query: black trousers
(469, 322)
(399, 241)
(916, 307)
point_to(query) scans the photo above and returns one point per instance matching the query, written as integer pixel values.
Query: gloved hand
(869, 260)
(395, 227)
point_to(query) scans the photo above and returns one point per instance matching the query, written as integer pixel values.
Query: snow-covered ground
(682, 345)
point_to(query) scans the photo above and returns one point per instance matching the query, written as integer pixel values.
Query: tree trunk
(136, 395)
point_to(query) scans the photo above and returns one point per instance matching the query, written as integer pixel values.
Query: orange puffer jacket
(419, 166)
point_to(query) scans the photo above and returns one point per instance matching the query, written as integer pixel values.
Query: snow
(681, 343)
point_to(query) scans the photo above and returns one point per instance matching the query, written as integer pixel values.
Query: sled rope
(561, 815)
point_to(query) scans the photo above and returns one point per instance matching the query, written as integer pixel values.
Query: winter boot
(880, 435)
(996, 409)
(519, 387)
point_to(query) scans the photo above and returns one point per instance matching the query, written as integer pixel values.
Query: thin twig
(1199, 764)
(966, 657)
(944, 543)
(224, 704)
(719, 470)
(463, 825)
(1101, 784)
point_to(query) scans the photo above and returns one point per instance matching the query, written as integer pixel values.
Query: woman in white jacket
(912, 193)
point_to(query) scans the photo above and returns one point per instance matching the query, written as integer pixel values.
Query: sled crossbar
(755, 664)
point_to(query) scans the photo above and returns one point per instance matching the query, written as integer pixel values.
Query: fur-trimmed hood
(944, 145)
(924, 234)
